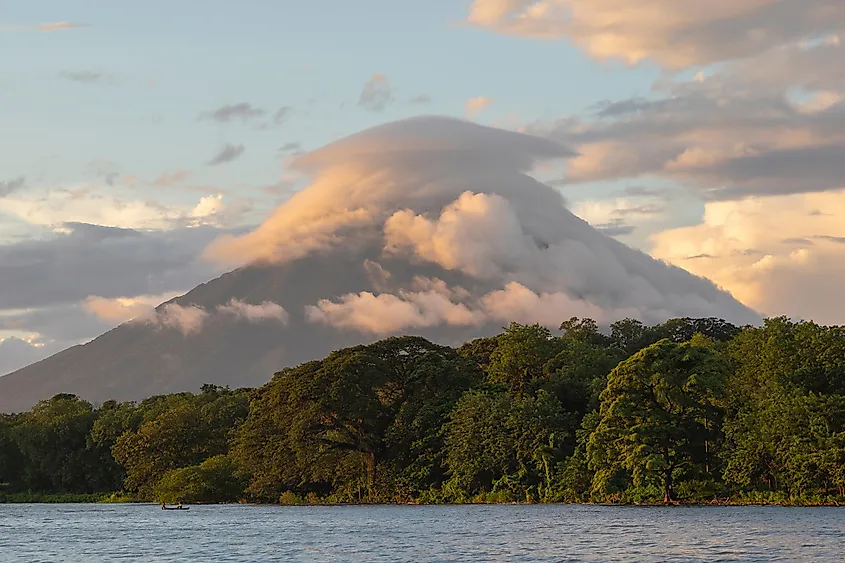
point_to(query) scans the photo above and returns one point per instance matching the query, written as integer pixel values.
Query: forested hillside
(692, 410)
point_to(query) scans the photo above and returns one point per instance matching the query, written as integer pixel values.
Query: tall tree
(59, 456)
(522, 353)
(658, 413)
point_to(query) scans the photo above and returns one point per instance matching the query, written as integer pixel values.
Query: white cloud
(266, 310)
(457, 194)
(120, 309)
(92, 205)
(388, 313)
(187, 319)
(779, 254)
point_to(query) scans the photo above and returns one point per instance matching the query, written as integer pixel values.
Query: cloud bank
(783, 255)
(442, 191)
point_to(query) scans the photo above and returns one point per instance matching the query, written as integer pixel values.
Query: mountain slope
(431, 226)
(137, 360)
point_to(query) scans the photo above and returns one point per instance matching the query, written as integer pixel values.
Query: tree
(58, 456)
(190, 430)
(578, 373)
(496, 441)
(339, 419)
(522, 352)
(787, 442)
(658, 412)
(480, 351)
(11, 458)
(214, 480)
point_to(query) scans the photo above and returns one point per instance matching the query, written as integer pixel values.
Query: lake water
(73, 532)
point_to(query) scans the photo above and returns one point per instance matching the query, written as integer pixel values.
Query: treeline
(691, 410)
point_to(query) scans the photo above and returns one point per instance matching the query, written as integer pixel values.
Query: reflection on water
(68, 533)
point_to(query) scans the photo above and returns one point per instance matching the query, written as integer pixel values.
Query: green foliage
(521, 353)
(58, 455)
(659, 412)
(339, 424)
(213, 480)
(696, 410)
(192, 429)
(497, 442)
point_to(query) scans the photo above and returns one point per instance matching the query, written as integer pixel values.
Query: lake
(518, 533)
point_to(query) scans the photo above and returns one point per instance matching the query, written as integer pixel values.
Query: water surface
(518, 533)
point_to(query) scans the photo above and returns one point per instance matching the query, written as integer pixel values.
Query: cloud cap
(434, 190)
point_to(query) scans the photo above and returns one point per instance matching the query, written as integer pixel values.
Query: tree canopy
(687, 410)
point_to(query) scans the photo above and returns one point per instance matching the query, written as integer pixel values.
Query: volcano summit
(428, 225)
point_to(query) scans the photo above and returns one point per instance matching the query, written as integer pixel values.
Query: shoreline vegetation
(116, 498)
(691, 412)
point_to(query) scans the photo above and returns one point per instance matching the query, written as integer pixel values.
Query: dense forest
(692, 410)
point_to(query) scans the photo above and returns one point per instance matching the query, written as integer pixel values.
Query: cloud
(475, 105)
(675, 33)
(460, 238)
(265, 311)
(86, 77)
(291, 148)
(727, 141)
(59, 26)
(776, 253)
(619, 216)
(43, 27)
(190, 319)
(376, 94)
(282, 115)
(387, 313)
(8, 187)
(117, 310)
(186, 319)
(170, 178)
(358, 183)
(87, 204)
(227, 113)
(518, 303)
(16, 353)
(61, 325)
(226, 154)
(458, 195)
(85, 260)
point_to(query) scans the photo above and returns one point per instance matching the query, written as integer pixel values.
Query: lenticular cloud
(445, 193)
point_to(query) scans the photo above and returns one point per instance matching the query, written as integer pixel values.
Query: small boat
(180, 507)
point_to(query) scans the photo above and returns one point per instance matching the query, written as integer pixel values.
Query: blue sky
(692, 144)
(165, 63)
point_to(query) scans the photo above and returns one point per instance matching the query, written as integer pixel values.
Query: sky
(709, 135)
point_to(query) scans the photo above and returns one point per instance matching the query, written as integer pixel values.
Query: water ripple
(521, 534)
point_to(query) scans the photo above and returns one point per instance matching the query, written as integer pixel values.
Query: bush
(290, 498)
(214, 480)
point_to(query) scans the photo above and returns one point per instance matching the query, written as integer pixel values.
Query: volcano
(432, 226)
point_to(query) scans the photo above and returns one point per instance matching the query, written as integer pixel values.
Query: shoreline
(104, 498)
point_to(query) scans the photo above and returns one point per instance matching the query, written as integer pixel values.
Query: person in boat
(180, 506)
(163, 506)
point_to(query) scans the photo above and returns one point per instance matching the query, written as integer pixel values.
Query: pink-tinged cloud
(675, 33)
(459, 195)
(186, 319)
